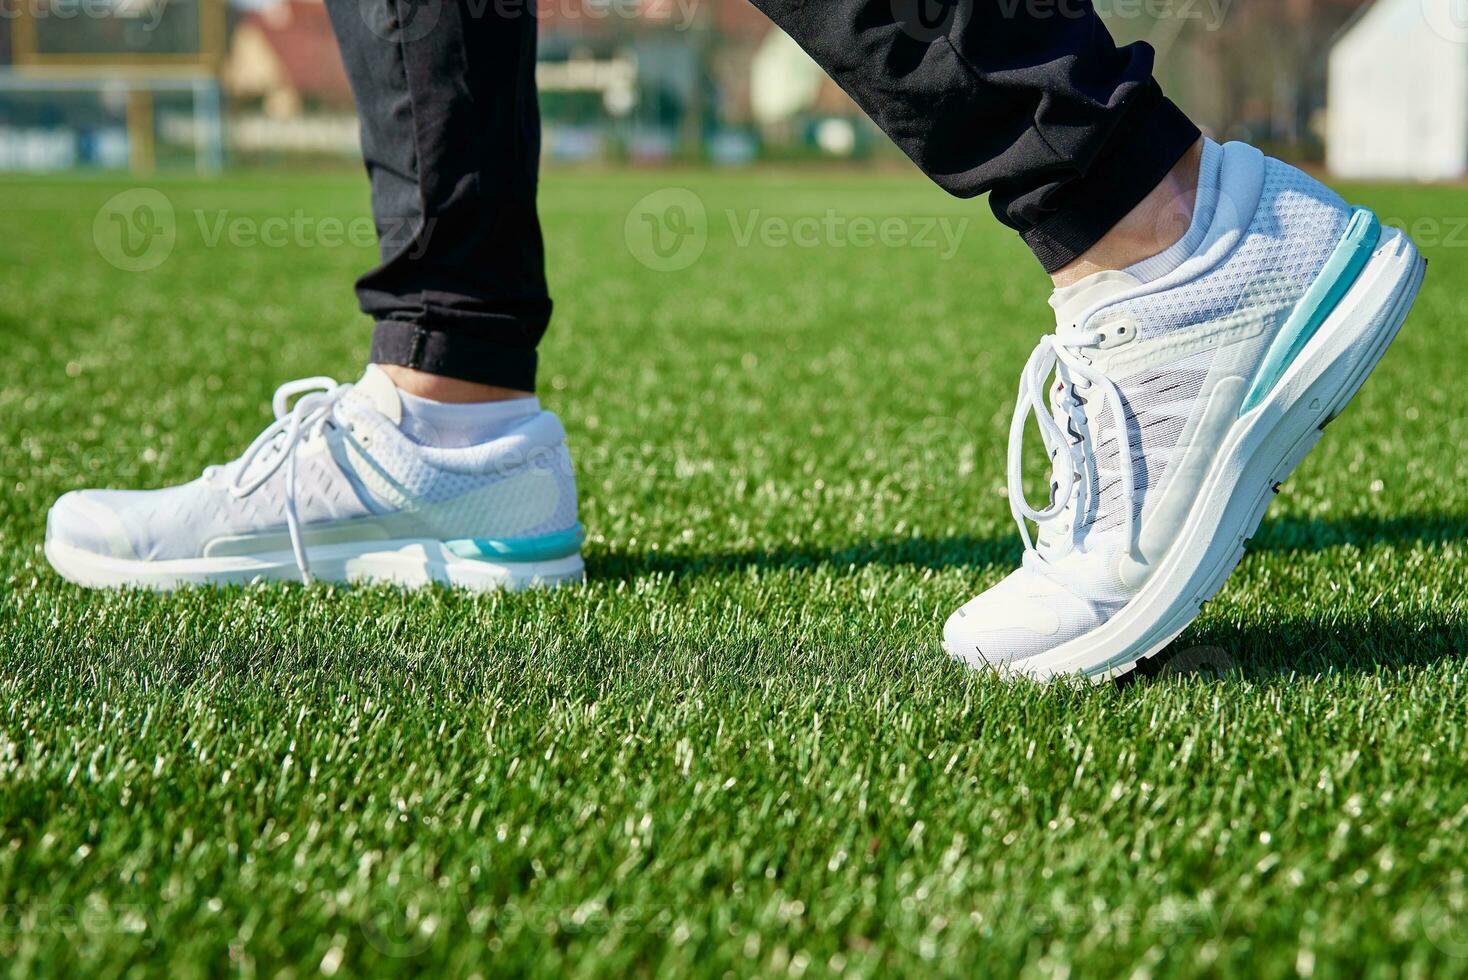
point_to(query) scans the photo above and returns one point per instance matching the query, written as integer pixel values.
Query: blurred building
(644, 81)
(111, 83)
(1243, 69)
(620, 80)
(1399, 93)
(280, 59)
(678, 78)
(287, 89)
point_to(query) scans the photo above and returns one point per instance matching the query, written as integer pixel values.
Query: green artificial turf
(738, 749)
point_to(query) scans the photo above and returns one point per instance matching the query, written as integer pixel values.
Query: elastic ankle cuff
(453, 355)
(1149, 140)
(1205, 205)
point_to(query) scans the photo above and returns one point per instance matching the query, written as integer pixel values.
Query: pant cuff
(453, 355)
(1148, 141)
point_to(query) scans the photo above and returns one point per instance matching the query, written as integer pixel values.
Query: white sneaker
(1180, 405)
(335, 490)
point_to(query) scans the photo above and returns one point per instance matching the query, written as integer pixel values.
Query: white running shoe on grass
(335, 490)
(1186, 390)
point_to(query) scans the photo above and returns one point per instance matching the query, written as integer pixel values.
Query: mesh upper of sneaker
(1290, 236)
(1293, 232)
(178, 521)
(521, 485)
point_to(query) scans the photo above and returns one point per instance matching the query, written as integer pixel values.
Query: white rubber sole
(404, 563)
(1259, 453)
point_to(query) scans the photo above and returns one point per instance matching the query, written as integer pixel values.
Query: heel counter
(556, 532)
(541, 454)
(569, 507)
(518, 486)
(550, 466)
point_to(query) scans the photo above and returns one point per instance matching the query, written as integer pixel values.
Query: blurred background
(1370, 88)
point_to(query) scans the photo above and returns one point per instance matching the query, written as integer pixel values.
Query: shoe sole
(409, 563)
(1258, 454)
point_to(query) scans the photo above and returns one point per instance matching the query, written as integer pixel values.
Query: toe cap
(1023, 616)
(81, 519)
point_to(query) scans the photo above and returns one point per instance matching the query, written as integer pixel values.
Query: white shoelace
(1067, 456)
(277, 445)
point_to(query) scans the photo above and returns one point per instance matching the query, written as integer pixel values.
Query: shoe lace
(1068, 456)
(314, 410)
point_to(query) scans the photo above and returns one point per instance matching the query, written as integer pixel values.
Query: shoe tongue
(377, 391)
(1072, 302)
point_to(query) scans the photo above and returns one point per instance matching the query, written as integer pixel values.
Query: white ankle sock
(454, 425)
(1210, 174)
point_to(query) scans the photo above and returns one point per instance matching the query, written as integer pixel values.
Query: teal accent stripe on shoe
(544, 547)
(1338, 275)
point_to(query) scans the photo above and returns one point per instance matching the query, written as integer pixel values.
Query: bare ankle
(445, 389)
(1153, 226)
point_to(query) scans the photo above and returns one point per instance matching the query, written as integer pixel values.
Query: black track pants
(1027, 100)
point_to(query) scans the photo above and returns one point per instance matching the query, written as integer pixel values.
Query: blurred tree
(1252, 69)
